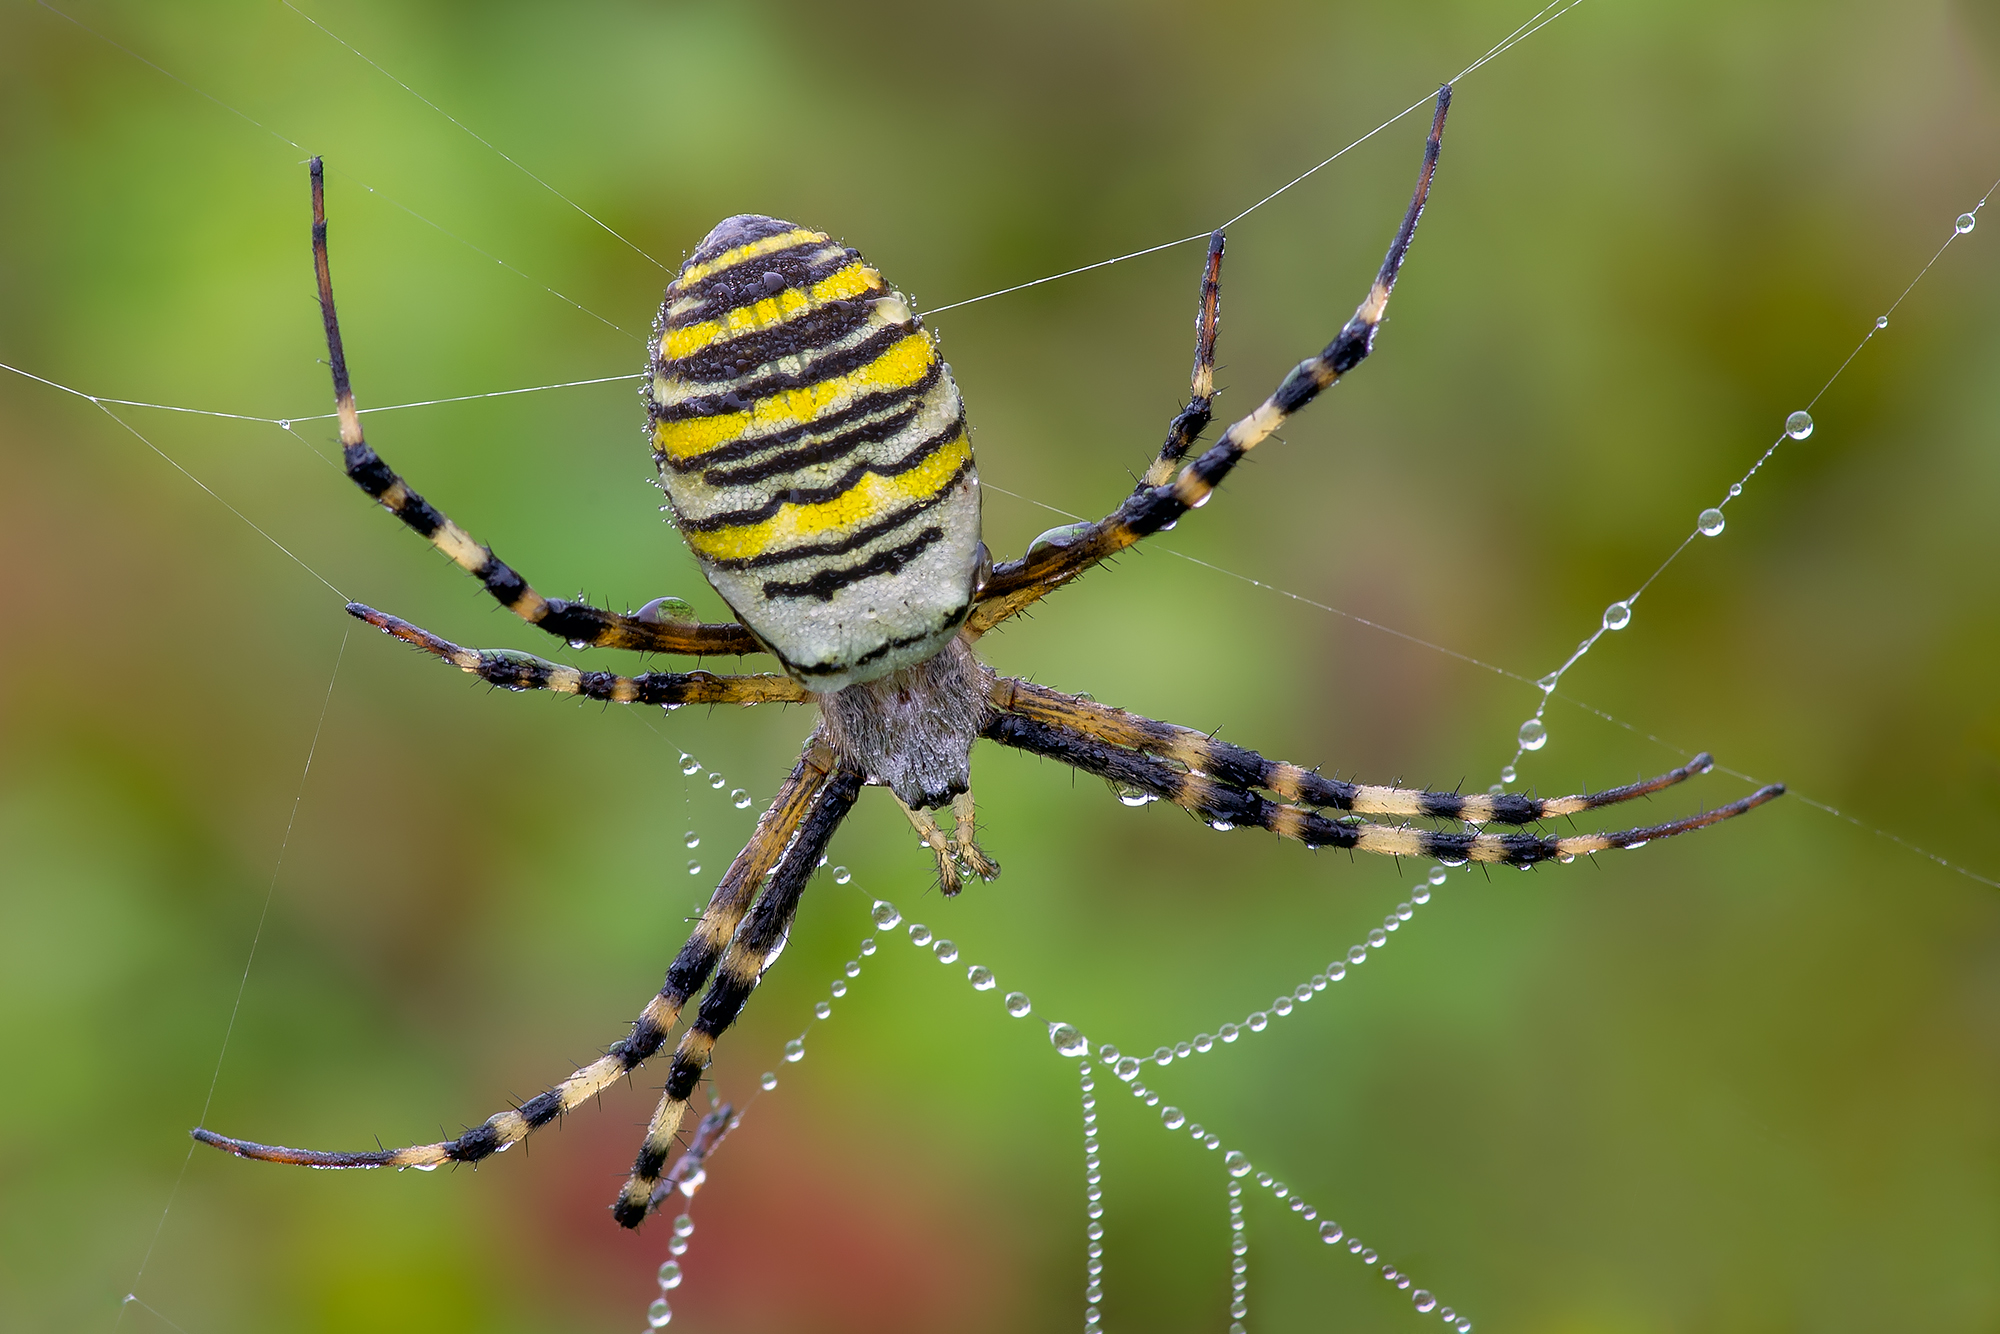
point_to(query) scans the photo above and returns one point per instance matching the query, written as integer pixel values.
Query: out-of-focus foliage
(1740, 1081)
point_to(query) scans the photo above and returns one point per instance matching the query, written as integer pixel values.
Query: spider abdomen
(814, 452)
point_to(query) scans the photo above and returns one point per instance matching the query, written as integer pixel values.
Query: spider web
(719, 835)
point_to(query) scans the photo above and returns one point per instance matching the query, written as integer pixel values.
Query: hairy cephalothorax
(814, 452)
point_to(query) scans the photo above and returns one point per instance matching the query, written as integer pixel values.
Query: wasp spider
(814, 452)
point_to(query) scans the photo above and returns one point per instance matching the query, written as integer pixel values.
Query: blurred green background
(1742, 1081)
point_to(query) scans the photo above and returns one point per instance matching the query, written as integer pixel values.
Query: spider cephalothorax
(813, 448)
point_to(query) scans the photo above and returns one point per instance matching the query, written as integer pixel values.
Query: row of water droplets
(691, 768)
(1533, 734)
(1069, 1041)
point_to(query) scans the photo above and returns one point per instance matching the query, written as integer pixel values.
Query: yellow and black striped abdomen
(814, 451)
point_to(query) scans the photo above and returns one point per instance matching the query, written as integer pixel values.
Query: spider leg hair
(690, 1170)
(797, 798)
(523, 671)
(1221, 803)
(577, 622)
(1016, 584)
(752, 948)
(1243, 768)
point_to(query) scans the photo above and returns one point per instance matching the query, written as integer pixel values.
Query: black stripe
(634, 1049)
(743, 285)
(853, 542)
(817, 495)
(828, 582)
(742, 392)
(819, 451)
(745, 446)
(474, 1144)
(541, 1109)
(879, 650)
(1318, 791)
(725, 358)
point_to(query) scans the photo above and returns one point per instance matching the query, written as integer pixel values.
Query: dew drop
(769, 1081)
(741, 799)
(683, 1226)
(823, 1009)
(1447, 1315)
(1127, 1068)
(867, 946)
(1163, 1056)
(1171, 1118)
(694, 868)
(284, 425)
(1318, 982)
(659, 1315)
(1132, 796)
(1735, 489)
(1283, 1005)
(716, 781)
(1881, 321)
(1533, 735)
(1378, 937)
(1068, 1041)
(670, 1275)
(1966, 222)
(1548, 683)
(1421, 894)
(1425, 1303)
(1227, 1032)
(1221, 826)
(1436, 876)
(1258, 1022)
(1463, 1327)
(1617, 616)
(1062, 536)
(1236, 1163)
(841, 875)
(1357, 954)
(1204, 1042)
(1018, 1005)
(692, 839)
(1370, 1257)
(1336, 970)
(1710, 522)
(946, 951)
(1183, 1050)
(795, 1050)
(1108, 1054)
(884, 912)
(919, 934)
(1565, 857)
(690, 766)
(853, 969)
(1507, 773)
(1799, 425)
(1634, 847)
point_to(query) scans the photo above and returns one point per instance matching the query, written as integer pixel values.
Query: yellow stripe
(901, 366)
(868, 498)
(848, 282)
(729, 258)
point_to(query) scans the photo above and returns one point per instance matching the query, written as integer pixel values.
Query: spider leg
(1226, 805)
(1193, 419)
(1246, 769)
(797, 798)
(966, 817)
(935, 839)
(958, 852)
(1016, 584)
(579, 623)
(755, 944)
(690, 1170)
(523, 671)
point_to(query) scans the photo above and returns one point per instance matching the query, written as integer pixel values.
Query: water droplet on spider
(946, 951)
(823, 1009)
(981, 977)
(1881, 321)
(1236, 1164)
(1710, 522)
(1065, 535)
(1507, 773)
(919, 934)
(884, 912)
(1133, 796)
(690, 766)
(659, 1315)
(694, 868)
(1565, 857)
(1966, 222)
(579, 643)
(769, 1081)
(1017, 1004)
(1617, 616)
(716, 781)
(662, 610)
(1635, 846)
(795, 1050)
(1799, 425)
(1221, 826)
(1533, 735)
(740, 799)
